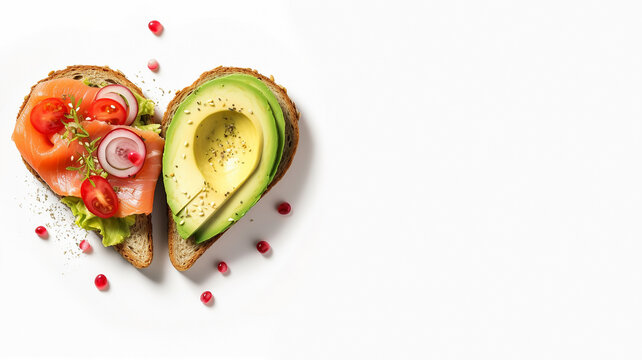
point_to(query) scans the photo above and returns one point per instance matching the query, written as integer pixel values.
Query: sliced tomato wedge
(99, 197)
(48, 115)
(109, 111)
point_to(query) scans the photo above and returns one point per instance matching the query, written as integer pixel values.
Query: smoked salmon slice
(50, 156)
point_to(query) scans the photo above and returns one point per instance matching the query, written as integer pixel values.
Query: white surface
(467, 185)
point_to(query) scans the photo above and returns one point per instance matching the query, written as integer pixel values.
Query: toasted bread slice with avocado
(138, 247)
(183, 252)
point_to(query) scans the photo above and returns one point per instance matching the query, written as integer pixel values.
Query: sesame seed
(186, 111)
(190, 122)
(182, 222)
(186, 144)
(184, 156)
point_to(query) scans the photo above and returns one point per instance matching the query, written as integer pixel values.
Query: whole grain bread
(138, 247)
(184, 252)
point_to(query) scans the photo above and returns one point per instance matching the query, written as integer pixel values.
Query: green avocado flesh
(222, 149)
(274, 106)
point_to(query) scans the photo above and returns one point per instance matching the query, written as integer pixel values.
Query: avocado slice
(222, 140)
(249, 194)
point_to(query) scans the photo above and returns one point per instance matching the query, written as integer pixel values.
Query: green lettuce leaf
(145, 106)
(149, 127)
(113, 230)
(146, 109)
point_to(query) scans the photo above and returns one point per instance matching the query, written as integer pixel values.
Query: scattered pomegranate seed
(206, 297)
(284, 208)
(84, 246)
(222, 267)
(101, 282)
(152, 65)
(135, 158)
(263, 246)
(41, 231)
(156, 27)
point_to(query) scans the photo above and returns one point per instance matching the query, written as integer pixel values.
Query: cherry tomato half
(109, 111)
(99, 197)
(48, 115)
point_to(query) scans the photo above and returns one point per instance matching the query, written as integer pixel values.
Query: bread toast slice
(184, 252)
(138, 247)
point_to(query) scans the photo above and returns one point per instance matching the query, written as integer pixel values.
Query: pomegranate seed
(263, 246)
(41, 231)
(152, 65)
(222, 267)
(101, 282)
(156, 27)
(84, 246)
(284, 208)
(135, 158)
(206, 297)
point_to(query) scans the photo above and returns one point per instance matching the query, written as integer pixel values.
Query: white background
(467, 185)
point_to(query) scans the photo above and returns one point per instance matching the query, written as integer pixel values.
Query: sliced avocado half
(246, 197)
(222, 149)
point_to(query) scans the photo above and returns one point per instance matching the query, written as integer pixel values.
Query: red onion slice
(121, 153)
(119, 99)
(130, 99)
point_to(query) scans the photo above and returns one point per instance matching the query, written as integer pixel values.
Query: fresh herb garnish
(74, 131)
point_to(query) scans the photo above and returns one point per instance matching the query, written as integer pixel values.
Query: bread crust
(178, 246)
(141, 232)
